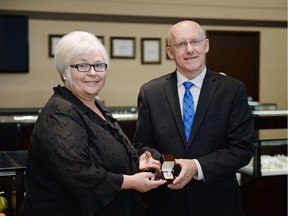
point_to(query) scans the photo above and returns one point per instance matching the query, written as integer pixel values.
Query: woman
(79, 160)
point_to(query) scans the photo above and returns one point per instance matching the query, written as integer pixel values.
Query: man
(219, 141)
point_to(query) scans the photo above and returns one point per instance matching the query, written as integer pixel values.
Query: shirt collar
(197, 81)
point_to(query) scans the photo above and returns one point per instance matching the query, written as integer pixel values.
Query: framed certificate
(53, 41)
(151, 50)
(122, 47)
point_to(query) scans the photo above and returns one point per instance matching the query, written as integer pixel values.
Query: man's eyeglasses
(85, 67)
(193, 43)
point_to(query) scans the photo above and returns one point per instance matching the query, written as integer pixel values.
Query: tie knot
(188, 85)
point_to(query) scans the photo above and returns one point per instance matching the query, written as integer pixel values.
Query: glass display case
(270, 159)
(264, 180)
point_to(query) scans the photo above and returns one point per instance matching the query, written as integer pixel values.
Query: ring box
(167, 167)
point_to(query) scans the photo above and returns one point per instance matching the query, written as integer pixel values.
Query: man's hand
(188, 171)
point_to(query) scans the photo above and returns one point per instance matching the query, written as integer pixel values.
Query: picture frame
(53, 41)
(151, 50)
(122, 47)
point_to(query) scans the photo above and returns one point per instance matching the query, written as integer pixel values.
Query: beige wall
(126, 76)
(227, 9)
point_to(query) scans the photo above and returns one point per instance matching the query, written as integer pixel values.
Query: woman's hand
(147, 162)
(142, 182)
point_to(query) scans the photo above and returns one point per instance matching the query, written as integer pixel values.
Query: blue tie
(188, 109)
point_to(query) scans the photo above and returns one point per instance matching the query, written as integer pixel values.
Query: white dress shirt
(195, 91)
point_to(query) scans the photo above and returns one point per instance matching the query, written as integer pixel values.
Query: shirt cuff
(200, 175)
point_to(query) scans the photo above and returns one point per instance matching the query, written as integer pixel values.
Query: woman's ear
(63, 78)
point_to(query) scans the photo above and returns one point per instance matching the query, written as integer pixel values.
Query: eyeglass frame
(193, 43)
(90, 65)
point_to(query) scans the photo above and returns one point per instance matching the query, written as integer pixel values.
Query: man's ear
(206, 45)
(170, 52)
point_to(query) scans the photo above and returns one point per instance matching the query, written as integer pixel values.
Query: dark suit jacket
(221, 140)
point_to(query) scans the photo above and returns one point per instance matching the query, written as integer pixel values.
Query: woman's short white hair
(74, 45)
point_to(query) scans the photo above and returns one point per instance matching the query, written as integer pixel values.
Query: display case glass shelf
(270, 159)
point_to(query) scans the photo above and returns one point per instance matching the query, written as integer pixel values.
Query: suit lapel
(207, 91)
(171, 91)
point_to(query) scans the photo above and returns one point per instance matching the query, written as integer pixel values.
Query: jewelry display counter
(16, 125)
(264, 188)
(270, 159)
(264, 179)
